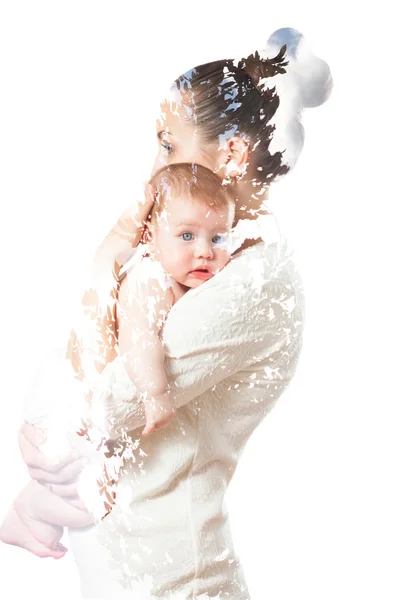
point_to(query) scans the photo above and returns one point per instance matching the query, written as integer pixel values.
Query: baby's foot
(45, 533)
(14, 532)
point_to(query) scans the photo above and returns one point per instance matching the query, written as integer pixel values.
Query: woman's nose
(203, 249)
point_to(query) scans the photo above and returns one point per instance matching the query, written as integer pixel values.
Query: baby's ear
(148, 234)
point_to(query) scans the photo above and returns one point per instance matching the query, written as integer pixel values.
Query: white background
(315, 501)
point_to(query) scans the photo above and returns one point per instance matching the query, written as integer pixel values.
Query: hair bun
(307, 83)
(310, 73)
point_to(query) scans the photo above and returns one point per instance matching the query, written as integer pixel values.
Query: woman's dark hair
(228, 97)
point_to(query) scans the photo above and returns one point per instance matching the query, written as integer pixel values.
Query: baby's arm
(142, 311)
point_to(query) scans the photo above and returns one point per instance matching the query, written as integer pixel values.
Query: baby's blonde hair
(191, 181)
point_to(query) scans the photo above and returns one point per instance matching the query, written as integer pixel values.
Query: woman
(231, 345)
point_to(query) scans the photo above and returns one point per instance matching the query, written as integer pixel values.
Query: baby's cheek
(174, 261)
(224, 257)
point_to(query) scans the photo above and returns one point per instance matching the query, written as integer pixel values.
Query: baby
(187, 243)
(187, 240)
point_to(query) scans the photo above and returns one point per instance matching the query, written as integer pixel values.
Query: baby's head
(190, 223)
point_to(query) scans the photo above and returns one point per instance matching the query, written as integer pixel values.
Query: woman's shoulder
(256, 267)
(271, 250)
(261, 276)
(267, 260)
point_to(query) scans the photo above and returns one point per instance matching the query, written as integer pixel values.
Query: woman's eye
(187, 237)
(166, 147)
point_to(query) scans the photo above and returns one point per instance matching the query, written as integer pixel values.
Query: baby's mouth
(202, 272)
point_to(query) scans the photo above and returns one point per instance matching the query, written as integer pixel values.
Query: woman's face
(179, 141)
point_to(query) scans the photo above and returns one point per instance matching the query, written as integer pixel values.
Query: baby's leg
(159, 411)
(14, 532)
(44, 514)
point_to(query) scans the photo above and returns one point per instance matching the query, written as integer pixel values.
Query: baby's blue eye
(217, 239)
(186, 236)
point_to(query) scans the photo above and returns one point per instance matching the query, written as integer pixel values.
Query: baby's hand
(159, 412)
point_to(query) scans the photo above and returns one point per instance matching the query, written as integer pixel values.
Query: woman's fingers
(30, 454)
(37, 461)
(29, 438)
(69, 490)
(125, 235)
(64, 475)
(145, 204)
(33, 434)
(145, 208)
(149, 196)
(77, 504)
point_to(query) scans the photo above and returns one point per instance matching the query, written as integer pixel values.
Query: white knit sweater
(231, 347)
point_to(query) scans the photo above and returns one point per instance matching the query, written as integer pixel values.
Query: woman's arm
(99, 300)
(108, 260)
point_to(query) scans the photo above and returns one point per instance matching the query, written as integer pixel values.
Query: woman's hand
(42, 468)
(126, 233)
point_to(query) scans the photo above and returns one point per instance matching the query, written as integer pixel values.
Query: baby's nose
(203, 249)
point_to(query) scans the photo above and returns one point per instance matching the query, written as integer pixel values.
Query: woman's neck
(249, 206)
(246, 244)
(250, 202)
